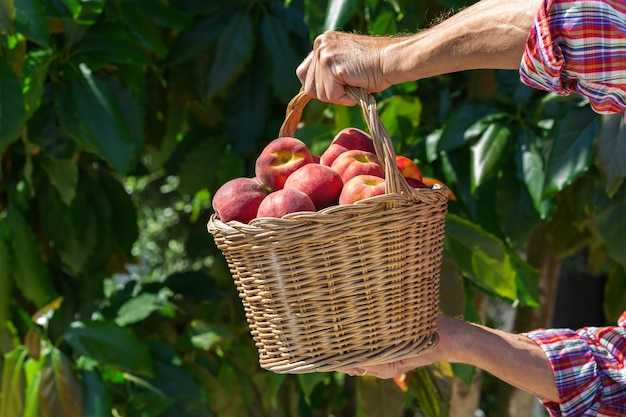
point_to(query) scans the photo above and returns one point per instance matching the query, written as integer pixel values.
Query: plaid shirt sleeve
(578, 46)
(589, 369)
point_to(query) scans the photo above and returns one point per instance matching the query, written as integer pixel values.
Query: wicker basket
(348, 285)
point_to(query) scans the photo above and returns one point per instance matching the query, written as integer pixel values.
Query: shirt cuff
(575, 371)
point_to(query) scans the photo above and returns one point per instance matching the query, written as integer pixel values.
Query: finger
(303, 69)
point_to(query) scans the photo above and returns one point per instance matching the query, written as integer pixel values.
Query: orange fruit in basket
(434, 181)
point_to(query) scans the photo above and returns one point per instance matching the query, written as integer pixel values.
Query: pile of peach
(289, 178)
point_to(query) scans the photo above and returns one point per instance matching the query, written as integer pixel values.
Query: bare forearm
(489, 34)
(513, 358)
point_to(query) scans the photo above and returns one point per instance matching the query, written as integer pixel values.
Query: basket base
(409, 350)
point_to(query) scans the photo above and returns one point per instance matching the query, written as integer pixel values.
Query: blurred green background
(120, 118)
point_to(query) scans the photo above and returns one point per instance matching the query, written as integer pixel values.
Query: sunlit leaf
(339, 12)
(481, 257)
(488, 152)
(611, 151)
(140, 307)
(13, 385)
(110, 344)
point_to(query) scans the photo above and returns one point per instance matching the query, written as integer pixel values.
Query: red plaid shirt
(579, 46)
(589, 369)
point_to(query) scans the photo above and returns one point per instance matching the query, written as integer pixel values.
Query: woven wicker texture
(348, 285)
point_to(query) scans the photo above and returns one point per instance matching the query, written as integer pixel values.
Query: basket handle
(394, 181)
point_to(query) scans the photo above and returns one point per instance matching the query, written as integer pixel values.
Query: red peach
(284, 201)
(279, 159)
(238, 199)
(408, 168)
(361, 187)
(355, 162)
(347, 139)
(321, 183)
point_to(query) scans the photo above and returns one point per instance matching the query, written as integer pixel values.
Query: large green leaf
(141, 307)
(60, 392)
(482, 257)
(395, 109)
(233, 53)
(516, 212)
(34, 75)
(611, 219)
(572, 151)
(339, 12)
(615, 292)
(283, 58)
(488, 152)
(611, 151)
(530, 167)
(30, 273)
(71, 229)
(30, 21)
(13, 385)
(63, 174)
(111, 345)
(90, 112)
(12, 113)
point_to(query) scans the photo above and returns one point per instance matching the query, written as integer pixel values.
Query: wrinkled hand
(339, 59)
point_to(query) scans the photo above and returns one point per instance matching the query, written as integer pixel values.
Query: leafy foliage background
(119, 119)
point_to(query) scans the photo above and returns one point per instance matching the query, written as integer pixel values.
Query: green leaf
(124, 216)
(30, 21)
(428, 385)
(141, 24)
(63, 174)
(466, 123)
(611, 219)
(611, 151)
(247, 111)
(12, 113)
(7, 14)
(34, 75)
(111, 345)
(283, 58)
(33, 385)
(72, 230)
(516, 211)
(308, 382)
(12, 393)
(235, 47)
(109, 43)
(30, 274)
(380, 397)
(339, 12)
(397, 108)
(615, 292)
(141, 307)
(197, 40)
(487, 152)
(481, 257)
(90, 112)
(572, 152)
(60, 394)
(98, 401)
